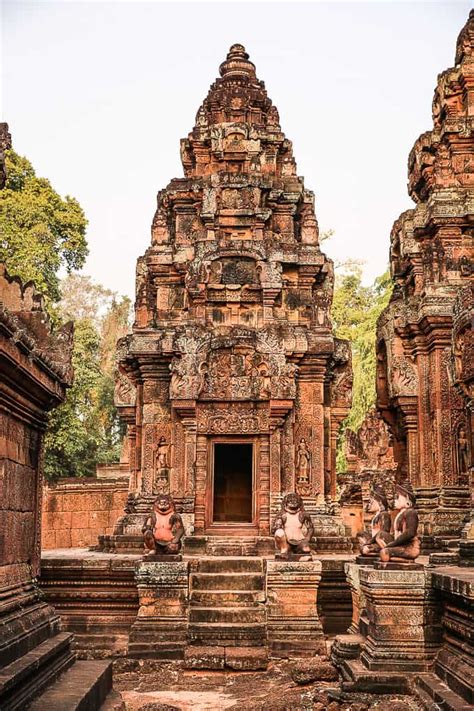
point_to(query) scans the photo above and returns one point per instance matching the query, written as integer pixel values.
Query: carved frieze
(232, 418)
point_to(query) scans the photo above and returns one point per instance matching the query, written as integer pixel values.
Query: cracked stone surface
(151, 686)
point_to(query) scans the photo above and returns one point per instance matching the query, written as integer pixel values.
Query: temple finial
(237, 63)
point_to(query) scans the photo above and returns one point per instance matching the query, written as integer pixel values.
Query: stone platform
(213, 611)
(411, 631)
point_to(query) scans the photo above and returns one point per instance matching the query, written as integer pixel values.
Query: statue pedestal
(398, 565)
(161, 626)
(358, 601)
(158, 558)
(403, 620)
(293, 625)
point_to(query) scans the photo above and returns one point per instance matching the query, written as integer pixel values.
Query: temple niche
(431, 258)
(232, 384)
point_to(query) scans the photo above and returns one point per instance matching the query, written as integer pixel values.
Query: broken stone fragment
(315, 669)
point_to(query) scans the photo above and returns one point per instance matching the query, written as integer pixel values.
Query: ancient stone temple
(431, 257)
(232, 384)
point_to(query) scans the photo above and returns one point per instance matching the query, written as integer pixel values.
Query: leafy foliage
(355, 311)
(85, 430)
(40, 231)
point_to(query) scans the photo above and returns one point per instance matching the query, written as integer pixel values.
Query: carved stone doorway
(232, 464)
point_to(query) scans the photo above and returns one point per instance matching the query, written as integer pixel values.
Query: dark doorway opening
(233, 473)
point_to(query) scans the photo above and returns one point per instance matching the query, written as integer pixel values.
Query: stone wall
(77, 511)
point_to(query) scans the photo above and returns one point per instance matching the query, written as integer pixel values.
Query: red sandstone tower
(232, 383)
(421, 393)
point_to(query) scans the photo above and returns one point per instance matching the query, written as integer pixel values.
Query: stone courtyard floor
(158, 686)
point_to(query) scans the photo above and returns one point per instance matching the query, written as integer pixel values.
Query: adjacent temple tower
(232, 384)
(420, 386)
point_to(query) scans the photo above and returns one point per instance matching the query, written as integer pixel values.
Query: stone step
(431, 690)
(27, 676)
(226, 581)
(84, 687)
(226, 598)
(230, 565)
(210, 634)
(227, 615)
(450, 557)
(357, 678)
(223, 546)
(446, 542)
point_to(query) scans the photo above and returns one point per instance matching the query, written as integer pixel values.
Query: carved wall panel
(232, 418)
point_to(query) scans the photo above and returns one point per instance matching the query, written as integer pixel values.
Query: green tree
(40, 232)
(73, 436)
(356, 309)
(85, 430)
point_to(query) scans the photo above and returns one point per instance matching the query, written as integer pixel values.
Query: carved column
(201, 480)
(264, 486)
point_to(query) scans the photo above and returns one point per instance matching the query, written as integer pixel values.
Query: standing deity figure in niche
(164, 528)
(303, 461)
(406, 544)
(293, 528)
(161, 466)
(370, 543)
(462, 452)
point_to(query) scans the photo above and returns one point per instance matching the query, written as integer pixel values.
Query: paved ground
(153, 686)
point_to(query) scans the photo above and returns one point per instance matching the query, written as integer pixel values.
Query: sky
(98, 95)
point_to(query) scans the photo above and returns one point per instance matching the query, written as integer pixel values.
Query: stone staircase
(227, 618)
(433, 693)
(49, 677)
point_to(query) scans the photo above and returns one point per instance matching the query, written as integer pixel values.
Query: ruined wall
(431, 256)
(35, 369)
(77, 511)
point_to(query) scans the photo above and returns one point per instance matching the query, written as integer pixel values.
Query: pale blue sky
(98, 95)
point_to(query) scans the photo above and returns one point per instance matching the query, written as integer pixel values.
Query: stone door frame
(225, 528)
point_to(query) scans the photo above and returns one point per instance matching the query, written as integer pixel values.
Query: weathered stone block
(246, 658)
(311, 670)
(161, 625)
(204, 657)
(293, 625)
(403, 620)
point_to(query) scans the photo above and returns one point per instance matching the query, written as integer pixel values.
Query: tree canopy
(355, 311)
(85, 430)
(40, 232)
